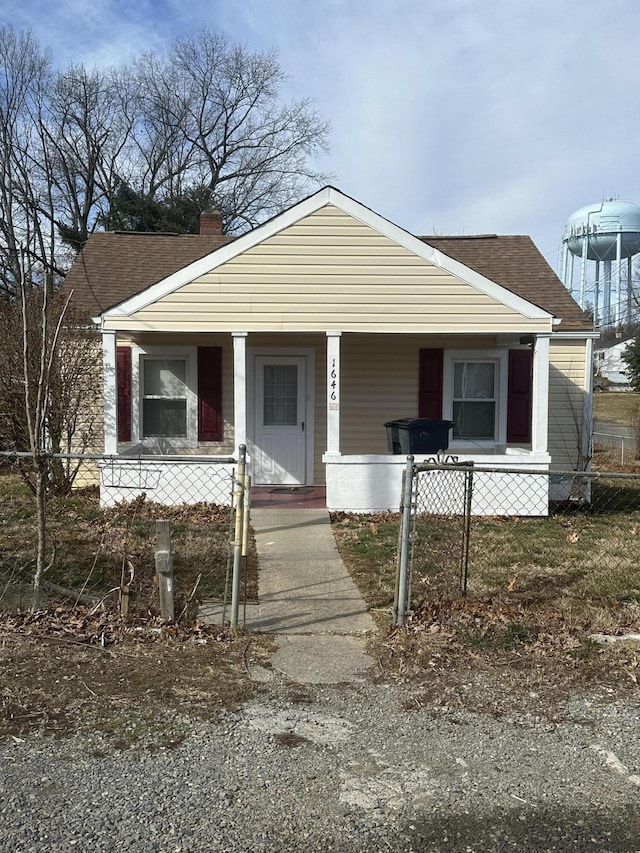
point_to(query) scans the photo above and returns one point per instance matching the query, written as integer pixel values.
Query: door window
(280, 405)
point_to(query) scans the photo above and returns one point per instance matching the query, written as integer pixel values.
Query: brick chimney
(210, 222)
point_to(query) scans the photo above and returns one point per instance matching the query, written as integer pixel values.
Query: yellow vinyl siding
(566, 402)
(380, 377)
(328, 271)
(215, 448)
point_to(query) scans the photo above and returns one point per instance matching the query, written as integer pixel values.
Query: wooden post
(164, 570)
(246, 515)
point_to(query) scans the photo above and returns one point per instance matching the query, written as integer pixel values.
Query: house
(609, 365)
(301, 338)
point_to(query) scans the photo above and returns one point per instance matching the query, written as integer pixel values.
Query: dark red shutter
(519, 396)
(123, 378)
(209, 393)
(430, 383)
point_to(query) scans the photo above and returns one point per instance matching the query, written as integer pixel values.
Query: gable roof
(115, 265)
(325, 198)
(611, 346)
(126, 271)
(515, 262)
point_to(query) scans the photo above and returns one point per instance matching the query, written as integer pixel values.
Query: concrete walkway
(306, 598)
(303, 585)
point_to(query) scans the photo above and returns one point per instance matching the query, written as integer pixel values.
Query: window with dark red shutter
(210, 426)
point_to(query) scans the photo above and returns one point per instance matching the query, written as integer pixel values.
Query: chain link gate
(435, 517)
(459, 516)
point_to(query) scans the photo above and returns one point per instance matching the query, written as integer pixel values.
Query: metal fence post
(400, 605)
(466, 532)
(245, 539)
(237, 536)
(399, 546)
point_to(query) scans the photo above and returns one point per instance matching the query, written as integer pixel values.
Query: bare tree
(206, 125)
(36, 405)
(24, 73)
(212, 118)
(89, 121)
(69, 412)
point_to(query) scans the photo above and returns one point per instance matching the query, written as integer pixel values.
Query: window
(474, 400)
(280, 395)
(475, 395)
(164, 397)
(164, 391)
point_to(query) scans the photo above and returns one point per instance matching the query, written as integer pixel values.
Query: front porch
(311, 411)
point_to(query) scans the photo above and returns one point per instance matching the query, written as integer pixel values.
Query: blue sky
(448, 116)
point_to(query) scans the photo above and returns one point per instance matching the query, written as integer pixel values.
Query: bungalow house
(301, 338)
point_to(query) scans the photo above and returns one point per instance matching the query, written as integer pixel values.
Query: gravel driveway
(342, 768)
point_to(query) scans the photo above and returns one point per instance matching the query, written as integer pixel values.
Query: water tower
(604, 237)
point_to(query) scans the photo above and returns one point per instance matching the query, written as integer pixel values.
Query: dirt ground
(59, 676)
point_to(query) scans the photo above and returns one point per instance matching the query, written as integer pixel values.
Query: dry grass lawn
(537, 590)
(73, 667)
(617, 407)
(94, 550)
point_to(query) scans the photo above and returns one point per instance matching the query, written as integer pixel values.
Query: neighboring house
(303, 337)
(609, 365)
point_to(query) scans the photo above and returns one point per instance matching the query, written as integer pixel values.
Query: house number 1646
(333, 385)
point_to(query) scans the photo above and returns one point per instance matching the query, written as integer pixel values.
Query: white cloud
(448, 115)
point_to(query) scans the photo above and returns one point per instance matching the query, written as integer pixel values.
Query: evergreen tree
(631, 357)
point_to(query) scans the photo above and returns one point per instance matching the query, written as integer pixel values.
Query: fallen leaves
(100, 629)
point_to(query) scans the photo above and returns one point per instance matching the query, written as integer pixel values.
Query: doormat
(292, 490)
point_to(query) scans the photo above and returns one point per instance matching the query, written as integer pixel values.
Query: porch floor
(289, 497)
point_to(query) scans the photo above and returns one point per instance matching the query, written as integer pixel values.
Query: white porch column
(540, 395)
(333, 392)
(587, 413)
(110, 392)
(239, 389)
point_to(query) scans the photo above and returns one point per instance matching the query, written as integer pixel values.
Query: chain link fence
(101, 534)
(487, 530)
(619, 447)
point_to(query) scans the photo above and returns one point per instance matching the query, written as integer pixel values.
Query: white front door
(280, 413)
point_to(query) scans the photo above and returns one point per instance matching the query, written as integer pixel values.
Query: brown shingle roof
(115, 265)
(515, 263)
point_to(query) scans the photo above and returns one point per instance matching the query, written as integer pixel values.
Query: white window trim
(500, 358)
(138, 353)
